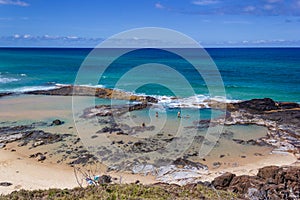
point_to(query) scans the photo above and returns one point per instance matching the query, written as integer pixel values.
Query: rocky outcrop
(97, 92)
(3, 94)
(271, 182)
(110, 110)
(281, 118)
(25, 134)
(261, 105)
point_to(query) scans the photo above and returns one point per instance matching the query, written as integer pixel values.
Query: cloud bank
(235, 7)
(14, 2)
(28, 40)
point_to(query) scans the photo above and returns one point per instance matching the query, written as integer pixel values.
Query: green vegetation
(124, 191)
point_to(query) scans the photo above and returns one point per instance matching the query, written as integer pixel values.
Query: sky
(212, 23)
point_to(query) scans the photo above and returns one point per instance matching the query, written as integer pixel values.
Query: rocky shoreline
(281, 119)
(271, 182)
(105, 93)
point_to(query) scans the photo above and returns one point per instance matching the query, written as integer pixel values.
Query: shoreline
(65, 176)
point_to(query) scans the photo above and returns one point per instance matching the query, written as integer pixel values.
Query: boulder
(57, 122)
(268, 172)
(223, 181)
(241, 184)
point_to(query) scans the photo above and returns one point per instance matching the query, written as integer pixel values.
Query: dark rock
(76, 141)
(227, 134)
(2, 94)
(42, 158)
(109, 130)
(268, 172)
(239, 141)
(104, 179)
(120, 142)
(151, 99)
(185, 162)
(223, 181)
(57, 122)
(216, 164)
(288, 105)
(271, 182)
(84, 159)
(5, 184)
(35, 155)
(256, 105)
(240, 184)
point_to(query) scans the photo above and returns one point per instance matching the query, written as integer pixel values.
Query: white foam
(83, 85)
(32, 88)
(196, 101)
(7, 80)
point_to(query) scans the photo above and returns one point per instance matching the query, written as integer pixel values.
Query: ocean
(246, 72)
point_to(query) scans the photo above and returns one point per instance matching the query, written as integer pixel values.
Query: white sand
(28, 173)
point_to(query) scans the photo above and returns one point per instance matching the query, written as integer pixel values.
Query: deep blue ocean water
(247, 72)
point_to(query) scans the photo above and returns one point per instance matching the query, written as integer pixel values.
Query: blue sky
(211, 22)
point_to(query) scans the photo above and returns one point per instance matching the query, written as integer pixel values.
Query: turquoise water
(247, 72)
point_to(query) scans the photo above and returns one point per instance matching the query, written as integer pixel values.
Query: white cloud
(26, 36)
(259, 41)
(268, 7)
(205, 2)
(237, 22)
(159, 6)
(249, 8)
(14, 2)
(273, 1)
(72, 37)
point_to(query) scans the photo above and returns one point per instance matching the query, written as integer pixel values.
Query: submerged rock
(57, 122)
